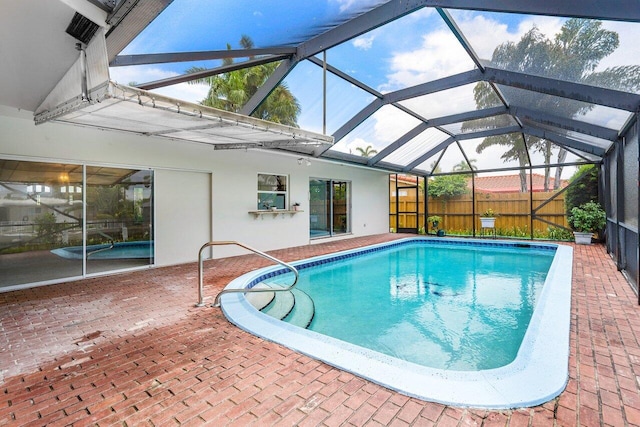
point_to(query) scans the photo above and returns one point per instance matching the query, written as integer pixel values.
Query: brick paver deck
(131, 349)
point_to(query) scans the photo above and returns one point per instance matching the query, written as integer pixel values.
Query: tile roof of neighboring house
(495, 183)
(511, 183)
(405, 179)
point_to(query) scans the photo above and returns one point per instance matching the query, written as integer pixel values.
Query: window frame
(262, 204)
(329, 230)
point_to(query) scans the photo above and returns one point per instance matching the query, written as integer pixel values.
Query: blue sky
(267, 22)
(412, 50)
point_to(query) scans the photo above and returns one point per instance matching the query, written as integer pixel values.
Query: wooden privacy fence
(513, 211)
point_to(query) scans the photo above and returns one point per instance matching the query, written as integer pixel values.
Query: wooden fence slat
(512, 209)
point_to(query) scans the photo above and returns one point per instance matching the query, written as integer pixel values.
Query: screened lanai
(421, 89)
(424, 89)
(401, 77)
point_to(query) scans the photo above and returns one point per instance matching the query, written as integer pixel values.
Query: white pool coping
(538, 374)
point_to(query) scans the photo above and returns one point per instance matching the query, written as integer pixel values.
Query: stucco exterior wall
(202, 194)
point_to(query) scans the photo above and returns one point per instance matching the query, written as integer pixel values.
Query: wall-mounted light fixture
(305, 161)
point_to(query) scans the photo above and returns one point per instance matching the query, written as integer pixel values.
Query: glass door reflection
(40, 218)
(329, 208)
(119, 219)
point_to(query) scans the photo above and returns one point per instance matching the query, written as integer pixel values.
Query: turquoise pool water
(438, 305)
(120, 250)
(470, 326)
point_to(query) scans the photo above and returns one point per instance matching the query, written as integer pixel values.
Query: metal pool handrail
(111, 241)
(216, 302)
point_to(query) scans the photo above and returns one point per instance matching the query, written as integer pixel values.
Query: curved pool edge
(77, 252)
(538, 374)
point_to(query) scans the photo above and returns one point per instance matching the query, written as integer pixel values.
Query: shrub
(556, 233)
(588, 218)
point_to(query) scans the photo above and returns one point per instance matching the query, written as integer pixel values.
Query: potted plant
(266, 205)
(587, 219)
(434, 220)
(296, 206)
(488, 219)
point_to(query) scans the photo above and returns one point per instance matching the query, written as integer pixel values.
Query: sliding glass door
(119, 212)
(329, 207)
(40, 214)
(48, 233)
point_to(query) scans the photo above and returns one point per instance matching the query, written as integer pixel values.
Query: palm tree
(231, 91)
(465, 166)
(368, 151)
(573, 55)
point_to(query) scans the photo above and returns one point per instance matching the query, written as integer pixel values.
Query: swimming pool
(514, 380)
(120, 250)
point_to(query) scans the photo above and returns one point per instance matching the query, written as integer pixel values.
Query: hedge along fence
(513, 212)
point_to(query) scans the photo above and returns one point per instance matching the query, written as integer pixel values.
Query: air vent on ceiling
(82, 28)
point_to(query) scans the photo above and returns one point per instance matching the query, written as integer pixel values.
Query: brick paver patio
(131, 349)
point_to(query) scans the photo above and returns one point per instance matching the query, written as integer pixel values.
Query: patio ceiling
(127, 109)
(411, 120)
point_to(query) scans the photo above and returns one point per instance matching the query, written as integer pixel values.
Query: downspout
(83, 72)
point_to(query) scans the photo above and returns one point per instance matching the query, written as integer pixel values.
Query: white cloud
(485, 34)
(628, 53)
(386, 125)
(183, 91)
(345, 4)
(364, 43)
(444, 103)
(349, 146)
(391, 123)
(352, 5)
(548, 25)
(439, 55)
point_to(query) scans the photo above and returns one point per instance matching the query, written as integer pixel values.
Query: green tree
(573, 55)
(368, 151)
(110, 202)
(47, 227)
(583, 188)
(447, 186)
(231, 91)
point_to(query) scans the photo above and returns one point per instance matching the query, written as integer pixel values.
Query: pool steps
(303, 310)
(294, 306)
(281, 305)
(260, 299)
